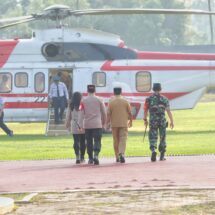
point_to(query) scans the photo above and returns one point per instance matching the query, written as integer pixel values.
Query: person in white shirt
(2, 124)
(59, 96)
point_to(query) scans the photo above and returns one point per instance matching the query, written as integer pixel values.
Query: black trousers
(59, 107)
(79, 145)
(93, 137)
(3, 126)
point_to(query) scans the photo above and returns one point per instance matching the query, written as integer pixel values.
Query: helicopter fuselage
(94, 57)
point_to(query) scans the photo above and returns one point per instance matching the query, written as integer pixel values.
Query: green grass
(194, 133)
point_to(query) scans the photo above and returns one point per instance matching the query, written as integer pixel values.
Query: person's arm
(68, 118)
(146, 109)
(81, 116)
(130, 118)
(50, 91)
(65, 91)
(103, 113)
(108, 116)
(1, 108)
(167, 107)
(169, 113)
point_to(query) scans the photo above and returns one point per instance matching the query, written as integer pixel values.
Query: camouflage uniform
(157, 105)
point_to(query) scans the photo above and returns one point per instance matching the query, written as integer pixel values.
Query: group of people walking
(88, 117)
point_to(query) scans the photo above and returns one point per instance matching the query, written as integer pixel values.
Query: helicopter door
(66, 77)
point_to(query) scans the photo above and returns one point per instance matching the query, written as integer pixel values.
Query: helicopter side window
(99, 79)
(39, 82)
(5, 82)
(143, 81)
(21, 79)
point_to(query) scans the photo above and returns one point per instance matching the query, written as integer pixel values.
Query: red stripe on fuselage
(25, 105)
(6, 48)
(23, 94)
(174, 56)
(108, 67)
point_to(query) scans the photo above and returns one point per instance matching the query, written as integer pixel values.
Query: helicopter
(86, 56)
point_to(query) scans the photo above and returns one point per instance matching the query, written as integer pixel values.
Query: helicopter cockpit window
(21, 79)
(39, 82)
(99, 79)
(5, 82)
(143, 81)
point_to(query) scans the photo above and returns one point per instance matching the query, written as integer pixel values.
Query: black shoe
(96, 161)
(153, 157)
(162, 158)
(78, 161)
(121, 159)
(90, 161)
(10, 134)
(117, 160)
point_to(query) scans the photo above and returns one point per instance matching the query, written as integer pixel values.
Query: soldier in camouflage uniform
(156, 105)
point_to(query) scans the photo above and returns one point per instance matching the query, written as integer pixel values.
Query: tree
(135, 30)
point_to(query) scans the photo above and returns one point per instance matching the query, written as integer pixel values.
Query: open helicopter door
(66, 76)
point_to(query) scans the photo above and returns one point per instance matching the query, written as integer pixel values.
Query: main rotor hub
(56, 12)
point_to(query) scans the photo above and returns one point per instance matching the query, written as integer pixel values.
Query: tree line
(135, 30)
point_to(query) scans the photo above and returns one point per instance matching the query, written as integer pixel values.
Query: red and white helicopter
(85, 57)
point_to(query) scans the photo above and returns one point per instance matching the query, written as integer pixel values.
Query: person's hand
(171, 125)
(130, 123)
(50, 103)
(80, 130)
(145, 122)
(107, 126)
(68, 125)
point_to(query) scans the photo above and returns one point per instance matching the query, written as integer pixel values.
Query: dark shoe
(121, 159)
(96, 161)
(153, 157)
(117, 160)
(90, 161)
(78, 161)
(10, 134)
(162, 158)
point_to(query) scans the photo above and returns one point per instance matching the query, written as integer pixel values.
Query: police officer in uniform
(93, 116)
(156, 105)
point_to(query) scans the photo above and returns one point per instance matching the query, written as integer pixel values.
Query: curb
(6, 205)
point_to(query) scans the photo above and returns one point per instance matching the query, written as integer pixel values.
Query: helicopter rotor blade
(17, 23)
(128, 11)
(14, 19)
(60, 12)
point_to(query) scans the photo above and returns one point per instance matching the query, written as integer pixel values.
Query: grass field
(194, 133)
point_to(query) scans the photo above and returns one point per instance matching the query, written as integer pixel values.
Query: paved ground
(137, 172)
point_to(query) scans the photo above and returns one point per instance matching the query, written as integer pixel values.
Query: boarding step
(53, 129)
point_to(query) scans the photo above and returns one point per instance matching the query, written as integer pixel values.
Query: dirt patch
(153, 202)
